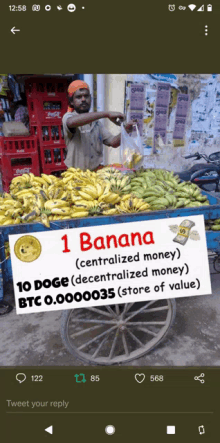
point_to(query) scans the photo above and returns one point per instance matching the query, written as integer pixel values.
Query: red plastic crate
(14, 165)
(52, 157)
(44, 109)
(48, 133)
(16, 145)
(49, 87)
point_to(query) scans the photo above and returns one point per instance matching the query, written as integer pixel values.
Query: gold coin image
(27, 248)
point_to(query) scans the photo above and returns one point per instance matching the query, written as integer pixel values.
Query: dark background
(110, 37)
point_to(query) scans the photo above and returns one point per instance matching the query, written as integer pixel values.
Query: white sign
(110, 264)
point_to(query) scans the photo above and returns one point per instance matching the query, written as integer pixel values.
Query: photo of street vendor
(110, 219)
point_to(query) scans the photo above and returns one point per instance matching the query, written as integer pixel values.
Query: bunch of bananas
(132, 158)
(133, 204)
(120, 185)
(162, 189)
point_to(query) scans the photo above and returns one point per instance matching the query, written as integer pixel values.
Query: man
(84, 133)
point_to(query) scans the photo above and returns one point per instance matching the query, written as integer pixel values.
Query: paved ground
(194, 340)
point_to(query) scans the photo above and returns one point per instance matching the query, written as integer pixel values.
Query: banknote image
(183, 232)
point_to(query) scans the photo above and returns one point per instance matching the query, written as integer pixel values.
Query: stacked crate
(47, 103)
(19, 155)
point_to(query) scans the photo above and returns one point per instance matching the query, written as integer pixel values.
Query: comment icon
(20, 377)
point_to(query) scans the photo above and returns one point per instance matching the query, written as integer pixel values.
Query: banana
(6, 207)
(85, 196)
(180, 204)
(112, 211)
(91, 190)
(144, 207)
(26, 177)
(39, 201)
(79, 208)
(29, 217)
(68, 178)
(75, 198)
(196, 193)
(55, 204)
(162, 201)
(64, 195)
(13, 212)
(18, 180)
(43, 194)
(99, 189)
(80, 214)
(8, 222)
(149, 199)
(47, 178)
(60, 211)
(17, 221)
(201, 198)
(45, 220)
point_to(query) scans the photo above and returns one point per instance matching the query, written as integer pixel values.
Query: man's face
(81, 101)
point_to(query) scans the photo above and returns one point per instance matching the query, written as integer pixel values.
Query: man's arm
(84, 119)
(116, 141)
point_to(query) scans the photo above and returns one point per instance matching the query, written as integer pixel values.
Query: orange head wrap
(73, 87)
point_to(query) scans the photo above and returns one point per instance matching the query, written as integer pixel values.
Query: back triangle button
(49, 430)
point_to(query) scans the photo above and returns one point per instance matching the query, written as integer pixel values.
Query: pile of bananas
(213, 225)
(80, 193)
(163, 190)
(47, 198)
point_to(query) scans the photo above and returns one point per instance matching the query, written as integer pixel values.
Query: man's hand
(116, 117)
(129, 126)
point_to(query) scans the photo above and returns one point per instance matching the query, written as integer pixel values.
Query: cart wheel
(107, 335)
(5, 307)
(216, 264)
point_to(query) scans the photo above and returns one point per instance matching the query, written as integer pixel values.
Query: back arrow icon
(13, 30)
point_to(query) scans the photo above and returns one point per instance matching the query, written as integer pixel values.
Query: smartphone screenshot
(109, 221)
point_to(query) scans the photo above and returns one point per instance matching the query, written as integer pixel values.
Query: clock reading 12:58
(17, 8)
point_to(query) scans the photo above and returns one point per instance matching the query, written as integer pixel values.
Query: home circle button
(110, 430)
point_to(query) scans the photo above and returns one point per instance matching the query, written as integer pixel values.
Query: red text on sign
(124, 240)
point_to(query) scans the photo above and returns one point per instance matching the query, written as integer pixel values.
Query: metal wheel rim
(114, 331)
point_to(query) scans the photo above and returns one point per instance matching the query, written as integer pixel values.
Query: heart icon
(139, 377)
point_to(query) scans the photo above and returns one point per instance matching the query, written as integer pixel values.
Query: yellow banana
(60, 211)
(99, 189)
(47, 178)
(55, 204)
(8, 222)
(45, 220)
(85, 196)
(79, 214)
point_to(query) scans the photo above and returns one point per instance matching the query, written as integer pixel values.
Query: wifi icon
(192, 7)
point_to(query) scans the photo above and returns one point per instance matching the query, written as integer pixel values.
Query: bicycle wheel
(107, 335)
